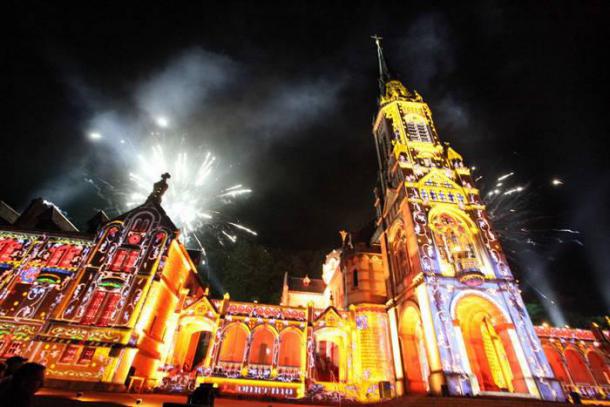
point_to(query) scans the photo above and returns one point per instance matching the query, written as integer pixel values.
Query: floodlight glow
(162, 121)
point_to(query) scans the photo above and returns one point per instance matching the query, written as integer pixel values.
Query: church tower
(458, 323)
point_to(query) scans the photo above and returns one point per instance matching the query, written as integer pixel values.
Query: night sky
(285, 93)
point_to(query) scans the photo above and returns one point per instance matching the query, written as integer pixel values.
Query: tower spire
(384, 73)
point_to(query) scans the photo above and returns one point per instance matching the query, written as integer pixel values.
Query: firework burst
(509, 206)
(196, 196)
(525, 234)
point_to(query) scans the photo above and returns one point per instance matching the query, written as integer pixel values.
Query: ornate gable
(201, 307)
(329, 317)
(436, 178)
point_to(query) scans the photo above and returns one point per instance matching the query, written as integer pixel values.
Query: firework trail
(195, 197)
(510, 208)
(199, 194)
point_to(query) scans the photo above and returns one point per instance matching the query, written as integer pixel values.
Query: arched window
(556, 363)
(415, 362)
(600, 370)
(233, 344)
(138, 229)
(399, 254)
(355, 278)
(290, 349)
(141, 223)
(261, 348)
(454, 243)
(577, 367)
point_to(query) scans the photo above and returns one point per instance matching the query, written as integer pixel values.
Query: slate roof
(8, 215)
(45, 216)
(316, 285)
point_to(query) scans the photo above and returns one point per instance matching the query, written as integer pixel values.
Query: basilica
(424, 303)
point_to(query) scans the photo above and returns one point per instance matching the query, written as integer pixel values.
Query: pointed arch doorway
(413, 348)
(489, 346)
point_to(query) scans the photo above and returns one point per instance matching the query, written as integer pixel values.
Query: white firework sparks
(509, 207)
(525, 234)
(194, 198)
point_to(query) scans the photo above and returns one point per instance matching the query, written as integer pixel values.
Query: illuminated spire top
(384, 73)
(391, 89)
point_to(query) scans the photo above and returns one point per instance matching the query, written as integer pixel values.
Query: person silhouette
(19, 389)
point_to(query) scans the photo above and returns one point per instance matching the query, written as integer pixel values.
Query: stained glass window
(454, 242)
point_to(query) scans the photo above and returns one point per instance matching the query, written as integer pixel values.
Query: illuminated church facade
(425, 304)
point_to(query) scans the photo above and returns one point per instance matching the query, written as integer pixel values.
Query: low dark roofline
(8, 213)
(54, 233)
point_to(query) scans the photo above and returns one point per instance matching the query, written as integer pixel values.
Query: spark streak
(556, 182)
(503, 177)
(194, 198)
(245, 229)
(510, 209)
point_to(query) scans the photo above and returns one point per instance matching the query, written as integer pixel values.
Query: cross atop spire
(384, 73)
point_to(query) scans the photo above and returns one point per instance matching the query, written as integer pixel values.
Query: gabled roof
(8, 215)
(330, 316)
(202, 306)
(438, 177)
(453, 155)
(45, 216)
